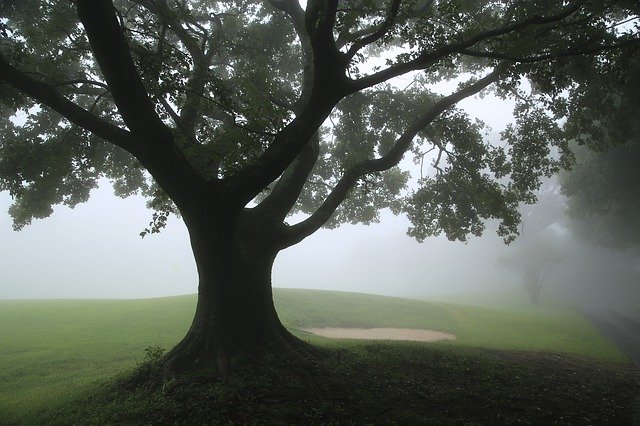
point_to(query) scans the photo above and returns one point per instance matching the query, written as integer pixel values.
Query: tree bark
(235, 314)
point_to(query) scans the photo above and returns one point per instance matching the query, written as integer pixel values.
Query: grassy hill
(53, 352)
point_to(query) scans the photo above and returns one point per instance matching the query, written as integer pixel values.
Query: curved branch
(380, 32)
(286, 191)
(429, 57)
(300, 231)
(48, 96)
(395, 154)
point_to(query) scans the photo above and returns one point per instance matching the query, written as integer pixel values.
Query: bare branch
(286, 191)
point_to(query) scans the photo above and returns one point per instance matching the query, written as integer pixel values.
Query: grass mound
(381, 383)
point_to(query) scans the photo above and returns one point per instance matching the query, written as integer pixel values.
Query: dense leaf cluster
(603, 188)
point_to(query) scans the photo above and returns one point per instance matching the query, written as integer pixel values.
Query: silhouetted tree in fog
(533, 260)
(236, 114)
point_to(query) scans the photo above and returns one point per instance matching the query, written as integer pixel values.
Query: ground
(67, 362)
(381, 383)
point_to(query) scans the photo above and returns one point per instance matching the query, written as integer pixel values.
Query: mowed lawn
(52, 351)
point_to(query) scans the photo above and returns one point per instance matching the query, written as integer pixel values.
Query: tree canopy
(227, 78)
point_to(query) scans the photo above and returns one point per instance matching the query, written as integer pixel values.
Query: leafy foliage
(230, 79)
(603, 187)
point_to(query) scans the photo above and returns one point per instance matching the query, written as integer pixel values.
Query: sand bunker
(381, 334)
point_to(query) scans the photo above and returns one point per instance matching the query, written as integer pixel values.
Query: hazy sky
(94, 250)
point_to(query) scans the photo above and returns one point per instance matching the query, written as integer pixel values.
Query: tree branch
(395, 154)
(286, 191)
(197, 50)
(576, 51)
(48, 96)
(429, 57)
(325, 83)
(112, 53)
(294, 11)
(320, 17)
(384, 27)
(158, 151)
(300, 231)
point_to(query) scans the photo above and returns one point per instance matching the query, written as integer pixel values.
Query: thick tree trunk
(235, 314)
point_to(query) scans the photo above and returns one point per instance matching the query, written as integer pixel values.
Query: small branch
(177, 120)
(82, 81)
(380, 32)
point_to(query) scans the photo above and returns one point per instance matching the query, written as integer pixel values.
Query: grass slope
(552, 329)
(52, 352)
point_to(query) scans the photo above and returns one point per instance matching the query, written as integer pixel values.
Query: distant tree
(236, 114)
(533, 260)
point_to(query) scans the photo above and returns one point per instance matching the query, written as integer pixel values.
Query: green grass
(49, 350)
(554, 328)
(53, 351)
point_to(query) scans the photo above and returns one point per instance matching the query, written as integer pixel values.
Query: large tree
(237, 113)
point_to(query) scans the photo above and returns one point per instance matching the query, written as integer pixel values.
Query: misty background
(95, 251)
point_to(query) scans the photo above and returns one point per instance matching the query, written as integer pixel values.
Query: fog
(95, 251)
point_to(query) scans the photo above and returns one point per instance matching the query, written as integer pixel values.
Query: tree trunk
(534, 288)
(235, 315)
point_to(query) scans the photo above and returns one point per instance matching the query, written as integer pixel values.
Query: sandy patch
(381, 334)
